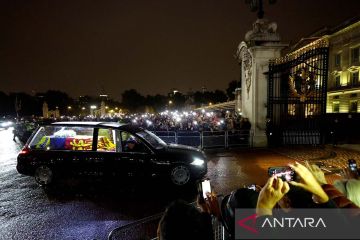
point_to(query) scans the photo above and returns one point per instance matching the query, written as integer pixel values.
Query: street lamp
(69, 107)
(93, 107)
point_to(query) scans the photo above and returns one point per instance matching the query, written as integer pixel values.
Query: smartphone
(285, 173)
(352, 165)
(204, 188)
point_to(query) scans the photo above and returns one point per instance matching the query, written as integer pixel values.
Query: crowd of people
(164, 121)
(191, 121)
(182, 220)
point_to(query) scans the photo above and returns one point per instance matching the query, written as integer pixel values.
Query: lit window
(337, 81)
(355, 55)
(338, 60)
(355, 77)
(336, 107)
(353, 106)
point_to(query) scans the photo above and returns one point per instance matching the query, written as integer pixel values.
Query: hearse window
(107, 140)
(63, 138)
(131, 143)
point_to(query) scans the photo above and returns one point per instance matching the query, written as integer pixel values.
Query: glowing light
(93, 106)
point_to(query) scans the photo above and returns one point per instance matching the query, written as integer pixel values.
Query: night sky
(84, 46)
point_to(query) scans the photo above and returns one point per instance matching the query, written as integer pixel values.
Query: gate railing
(208, 139)
(298, 137)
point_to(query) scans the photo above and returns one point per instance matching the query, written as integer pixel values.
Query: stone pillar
(45, 110)
(57, 113)
(102, 109)
(261, 44)
(238, 106)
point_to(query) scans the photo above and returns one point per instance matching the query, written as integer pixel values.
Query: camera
(285, 173)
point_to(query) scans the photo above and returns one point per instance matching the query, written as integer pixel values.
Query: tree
(132, 100)
(5, 105)
(219, 96)
(58, 99)
(179, 100)
(157, 102)
(231, 90)
(27, 105)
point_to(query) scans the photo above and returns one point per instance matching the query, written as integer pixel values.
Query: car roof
(122, 126)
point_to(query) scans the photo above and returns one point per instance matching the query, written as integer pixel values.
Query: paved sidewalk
(232, 169)
(332, 159)
(355, 147)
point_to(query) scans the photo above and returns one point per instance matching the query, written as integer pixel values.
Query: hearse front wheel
(44, 175)
(180, 175)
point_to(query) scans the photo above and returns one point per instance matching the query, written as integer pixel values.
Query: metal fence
(297, 137)
(208, 139)
(143, 229)
(146, 229)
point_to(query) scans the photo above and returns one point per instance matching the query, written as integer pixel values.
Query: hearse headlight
(197, 161)
(6, 124)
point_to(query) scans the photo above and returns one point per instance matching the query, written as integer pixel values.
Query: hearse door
(134, 157)
(106, 146)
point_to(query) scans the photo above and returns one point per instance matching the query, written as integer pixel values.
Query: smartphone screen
(206, 188)
(352, 165)
(285, 173)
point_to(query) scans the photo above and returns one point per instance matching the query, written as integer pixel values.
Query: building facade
(343, 81)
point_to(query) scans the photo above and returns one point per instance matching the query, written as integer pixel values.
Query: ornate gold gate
(297, 95)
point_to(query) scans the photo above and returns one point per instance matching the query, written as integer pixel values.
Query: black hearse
(106, 149)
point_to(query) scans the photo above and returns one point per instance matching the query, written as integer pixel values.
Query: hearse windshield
(151, 138)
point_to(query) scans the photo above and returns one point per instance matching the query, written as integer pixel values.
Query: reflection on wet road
(91, 210)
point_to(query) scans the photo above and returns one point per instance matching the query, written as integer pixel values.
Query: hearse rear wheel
(180, 175)
(44, 175)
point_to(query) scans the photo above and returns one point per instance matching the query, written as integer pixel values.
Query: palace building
(343, 81)
(343, 85)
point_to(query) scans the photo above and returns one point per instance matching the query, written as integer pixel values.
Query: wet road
(92, 210)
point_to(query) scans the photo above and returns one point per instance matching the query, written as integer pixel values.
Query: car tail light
(25, 150)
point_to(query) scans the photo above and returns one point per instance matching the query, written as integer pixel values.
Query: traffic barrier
(208, 139)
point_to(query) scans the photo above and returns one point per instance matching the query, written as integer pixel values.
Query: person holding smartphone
(275, 189)
(208, 200)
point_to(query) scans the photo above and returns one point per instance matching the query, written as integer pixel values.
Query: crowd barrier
(301, 137)
(208, 139)
(146, 229)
